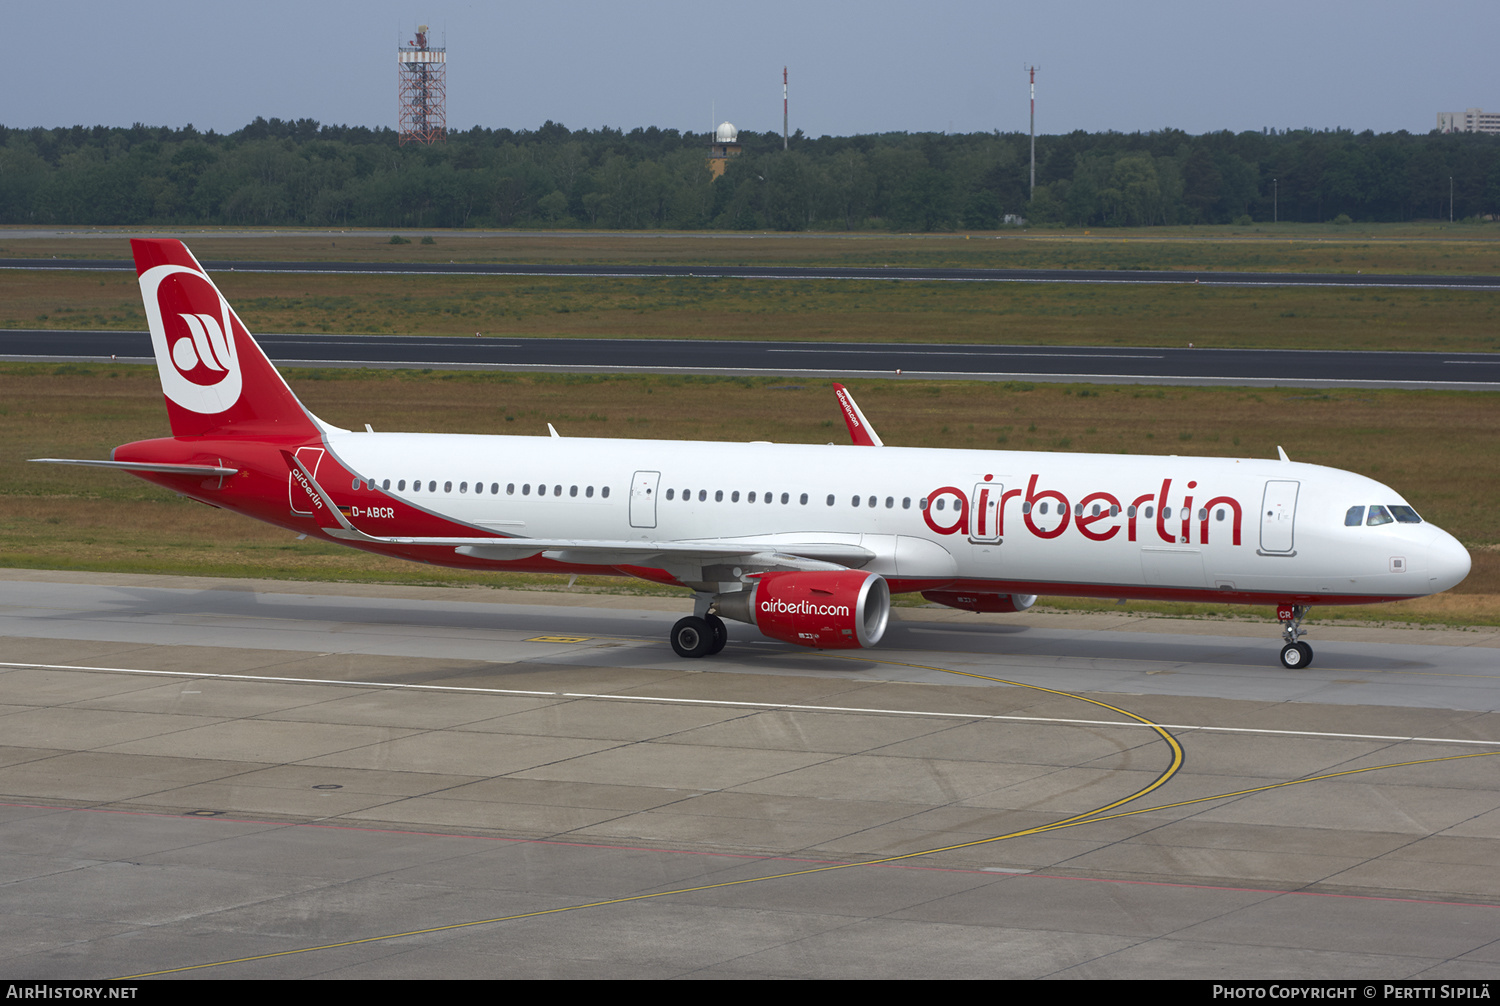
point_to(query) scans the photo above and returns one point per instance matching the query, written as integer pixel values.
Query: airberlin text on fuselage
(1141, 514)
(312, 495)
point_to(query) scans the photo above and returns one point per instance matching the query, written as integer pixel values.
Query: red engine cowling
(969, 601)
(834, 610)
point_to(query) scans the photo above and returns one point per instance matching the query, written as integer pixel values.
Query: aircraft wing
(759, 556)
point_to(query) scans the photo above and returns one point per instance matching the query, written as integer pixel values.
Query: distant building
(1473, 120)
(726, 144)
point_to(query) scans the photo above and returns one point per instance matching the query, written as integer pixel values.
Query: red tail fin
(215, 378)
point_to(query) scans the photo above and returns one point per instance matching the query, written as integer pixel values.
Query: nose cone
(1447, 562)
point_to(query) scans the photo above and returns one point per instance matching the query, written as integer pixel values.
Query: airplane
(806, 543)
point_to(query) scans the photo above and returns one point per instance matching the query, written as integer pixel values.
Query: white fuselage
(1006, 518)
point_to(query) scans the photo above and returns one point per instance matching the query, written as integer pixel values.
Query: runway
(244, 777)
(1080, 364)
(898, 273)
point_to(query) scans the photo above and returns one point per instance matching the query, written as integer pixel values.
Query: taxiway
(255, 779)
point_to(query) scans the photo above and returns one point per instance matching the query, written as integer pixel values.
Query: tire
(1306, 654)
(1293, 657)
(720, 633)
(692, 637)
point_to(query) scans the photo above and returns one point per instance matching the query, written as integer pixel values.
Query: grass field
(1438, 448)
(803, 310)
(1427, 247)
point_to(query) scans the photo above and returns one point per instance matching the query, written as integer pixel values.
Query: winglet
(860, 430)
(1281, 453)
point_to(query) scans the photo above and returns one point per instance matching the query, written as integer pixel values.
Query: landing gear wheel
(1296, 655)
(693, 637)
(720, 633)
(1306, 653)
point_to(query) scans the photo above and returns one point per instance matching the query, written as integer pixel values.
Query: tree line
(302, 173)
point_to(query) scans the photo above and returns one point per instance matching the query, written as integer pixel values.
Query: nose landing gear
(1296, 654)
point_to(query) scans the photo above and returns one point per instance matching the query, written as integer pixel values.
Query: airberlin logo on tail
(193, 336)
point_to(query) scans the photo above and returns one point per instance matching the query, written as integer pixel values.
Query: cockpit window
(1405, 514)
(1355, 517)
(1378, 516)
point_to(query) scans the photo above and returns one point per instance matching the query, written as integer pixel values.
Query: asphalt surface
(804, 272)
(277, 780)
(1300, 368)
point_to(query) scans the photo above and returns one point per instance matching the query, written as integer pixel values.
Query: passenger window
(785, 498)
(734, 497)
(1355, 517)
(671, 493)
(510, 488)
(416, 485)
(526, 489)
(1026, 506)
(1378, 516)
(1043, 508)
(1130, 511)
(718, 496)
(830, 499)
(386, 484)
(572, 490)
(906, 503)
(463, 487)
(432, 487)
(766, 497)
(804, 499)
(1166, 513)
(401, 486)
(922, 503)
(1219, 514)
(751, 498)
(890, 501)
(495, 488)
(589, 493)
(604, 492)
(872, 501)
(941, 502)
(702, 495)
(557, 490)
(1149, 512)
(356, 483)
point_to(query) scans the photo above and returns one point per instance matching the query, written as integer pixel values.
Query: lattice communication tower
(423, 90)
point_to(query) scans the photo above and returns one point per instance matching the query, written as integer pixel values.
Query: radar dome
(726, 133)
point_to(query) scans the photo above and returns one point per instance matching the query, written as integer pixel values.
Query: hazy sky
(855, 67)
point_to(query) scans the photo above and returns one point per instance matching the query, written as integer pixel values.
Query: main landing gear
(1295, 654)
(699, 637)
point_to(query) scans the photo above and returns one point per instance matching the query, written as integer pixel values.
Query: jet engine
(969, 601)
(829, 610)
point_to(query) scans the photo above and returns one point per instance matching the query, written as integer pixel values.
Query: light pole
(1275, 201)
(1450, 199)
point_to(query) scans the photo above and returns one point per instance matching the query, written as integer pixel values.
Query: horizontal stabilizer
(207, 471)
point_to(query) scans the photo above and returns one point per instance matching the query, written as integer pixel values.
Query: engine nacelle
(832, 610)
(970, 601)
